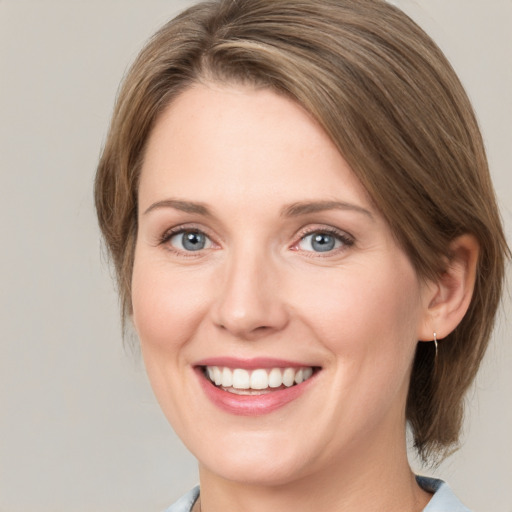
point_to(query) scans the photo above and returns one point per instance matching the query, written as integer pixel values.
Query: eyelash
(346, 239)
(167, 236)
(341, 236)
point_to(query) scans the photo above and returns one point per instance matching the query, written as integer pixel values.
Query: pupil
(322, 242)
(193, 241)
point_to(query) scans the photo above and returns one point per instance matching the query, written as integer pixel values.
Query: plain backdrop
(79, 427)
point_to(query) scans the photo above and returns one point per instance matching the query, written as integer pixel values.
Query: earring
(435, 343)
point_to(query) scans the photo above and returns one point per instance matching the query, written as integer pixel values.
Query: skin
(258, 289)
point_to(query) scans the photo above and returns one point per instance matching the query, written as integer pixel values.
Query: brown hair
(390, 101)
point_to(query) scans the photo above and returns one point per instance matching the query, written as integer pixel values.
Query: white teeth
(241, 379)
(289, 377)
(217, 376)
(259, 379)
(275, 378)
(227, 378)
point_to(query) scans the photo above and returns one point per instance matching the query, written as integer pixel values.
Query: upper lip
(252, 363)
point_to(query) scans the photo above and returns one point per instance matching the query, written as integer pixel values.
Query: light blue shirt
(443, 499)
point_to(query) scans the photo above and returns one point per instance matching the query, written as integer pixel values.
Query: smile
(241, 381)
(254, 387)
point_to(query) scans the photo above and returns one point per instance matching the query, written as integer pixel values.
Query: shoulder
(186, 502)
(443, 499)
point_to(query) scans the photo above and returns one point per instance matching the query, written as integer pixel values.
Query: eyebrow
(307, 207)
(292, 210)
(184, 206)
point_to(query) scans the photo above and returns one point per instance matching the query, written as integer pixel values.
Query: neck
(371, 480)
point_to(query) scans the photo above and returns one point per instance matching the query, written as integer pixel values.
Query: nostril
(262, 328)
(247, 332)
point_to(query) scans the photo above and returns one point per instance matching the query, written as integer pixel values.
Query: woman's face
(260, 260)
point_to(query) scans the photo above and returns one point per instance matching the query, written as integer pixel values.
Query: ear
(448, 298)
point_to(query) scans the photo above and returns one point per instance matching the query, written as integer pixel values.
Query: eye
(189, 241)
(323, 241)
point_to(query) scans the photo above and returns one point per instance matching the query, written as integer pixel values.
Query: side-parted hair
(390, 101)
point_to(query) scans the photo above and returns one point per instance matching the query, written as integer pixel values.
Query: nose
(249, 304)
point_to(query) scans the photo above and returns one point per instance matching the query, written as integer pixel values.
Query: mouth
(259, 381)
(254, 387)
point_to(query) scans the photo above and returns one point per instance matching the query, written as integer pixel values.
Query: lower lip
(251, 405)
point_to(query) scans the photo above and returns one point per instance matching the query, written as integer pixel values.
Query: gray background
(79, 427)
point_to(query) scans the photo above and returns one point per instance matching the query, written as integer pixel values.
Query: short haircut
(391, 103)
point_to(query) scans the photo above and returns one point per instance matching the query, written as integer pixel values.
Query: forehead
(234, 140)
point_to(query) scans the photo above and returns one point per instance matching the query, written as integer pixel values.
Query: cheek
(368, 322)
(167, 308)
(167, 305)
(369, 312)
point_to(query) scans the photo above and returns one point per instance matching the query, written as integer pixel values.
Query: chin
(265, 462)
(255, 472)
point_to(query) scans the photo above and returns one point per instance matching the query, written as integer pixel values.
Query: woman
(296, 199)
